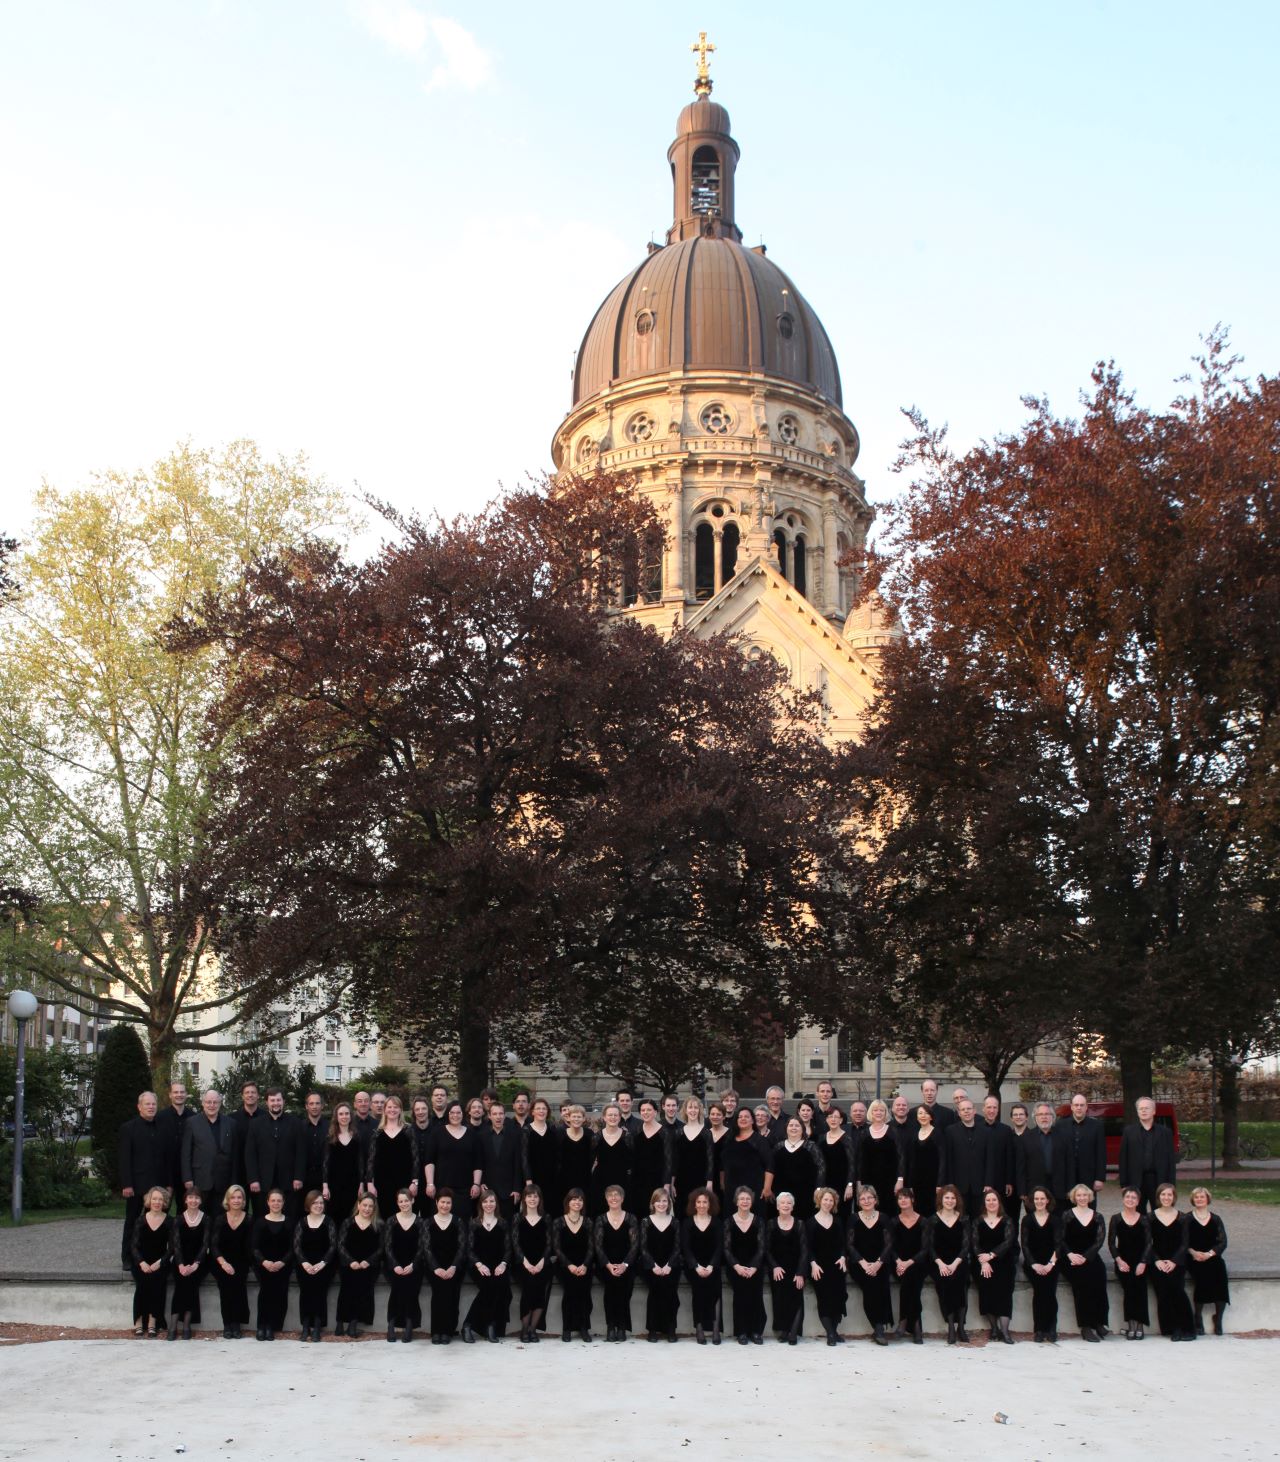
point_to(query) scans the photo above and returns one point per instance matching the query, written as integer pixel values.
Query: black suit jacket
(1032, 1169)
(242, 1122)
(148, 1158)
(275, 1152)
(1004, 1160)
(966, 1157)
(173, 1126)
(315, 1136)
(1081, 1156)
(500, 1158)
(1163, 1162)
(208, 1152)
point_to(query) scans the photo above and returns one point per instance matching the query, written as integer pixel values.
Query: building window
(645, 321)
(848, 1058)
(588, 450)
(333, 1073)
(780, 543)
(641, 427)
(799, 573)
(716, 418)
(704, 562)
(332, 1046)
(705, 190)
(786, 326)
(788, 430)
(728, 552)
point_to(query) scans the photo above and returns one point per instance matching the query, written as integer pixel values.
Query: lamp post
(22, 1006)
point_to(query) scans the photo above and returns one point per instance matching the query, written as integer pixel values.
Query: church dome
(706, 303)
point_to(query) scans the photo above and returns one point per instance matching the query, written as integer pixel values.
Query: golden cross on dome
(702, 86)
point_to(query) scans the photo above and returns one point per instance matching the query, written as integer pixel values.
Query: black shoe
(699, 1335)
(961, 1333)
(446, 1338)
(1003, 1329)
(566, 1336)
(491, 1334)
(226, 1332)
(951, 1332)
(831, 1337)
(793, 1338)
(878, 1335)
(407, 1336)
(742, 1340)
(468, 1335)
(757, 1340)
(391, 1331)
(353, 1330)
(715, 1336)
(917, 1334)
(652, 1337)
(271, 1335)
(1217, 1324)
(237, 1333)
(1089, 1334)
(671, 1338)
(262, 1334)
(586, 1336)
(435, 1340)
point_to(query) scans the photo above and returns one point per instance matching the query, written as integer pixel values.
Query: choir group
(793, 1203)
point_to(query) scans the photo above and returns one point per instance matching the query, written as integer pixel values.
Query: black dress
(233, 1245)
(693, 1161)
(743, 1165)
(911, 1245)
(617, 1246)
(492, 1303)
(1132, 1243)
(446, 1248)
(357, 1245)
(747, 1249)
(576, 1161)
(872, 1242)
(841, 1171)
(650, 1167)
(613, 1167)
(831, 1290)
(403, 1247)
(995, 1295)
(1173, 1308)
(150, 1245)
(314, 1246)
(947, 1243)
(920, 1163)
(703, 1247)
(344, 1173)
(454, 1164)
(788, 1250)
(718, 1146)
(800, 1172)
(539, 1156)
(880, 1167)
(576, 1249)
(1088, 1280)
(532, 1241)
(190, 1246)
(1040, 1246)
(660, 1248)
(272, 1244)
(1208, 1276)
(391, 1165)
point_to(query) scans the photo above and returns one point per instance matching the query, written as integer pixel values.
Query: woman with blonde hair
(392, 1160)
(660, 1259)
(693, 1159)
(1080, 1242)
(151, 1248)
(232, 1250)
(1169, 1266)
(880, 1157)
(1206, 1244)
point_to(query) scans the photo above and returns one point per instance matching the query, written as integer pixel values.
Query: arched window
(780, 539)
(651, 568)
(706, 182)
(704, 562)
(728, 552)
(798, 565)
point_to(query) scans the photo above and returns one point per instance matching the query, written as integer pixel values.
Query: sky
(374, 231)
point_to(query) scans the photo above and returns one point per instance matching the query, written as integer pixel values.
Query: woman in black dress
(190, 1251)
(343, 1166)
(660, 1260)
(909, 1245)
(577, 1151)
(446, 1262)
(359, 1249)
(922, 1159)
(539, 1150)
(1169, 1266)
(744, 1156)
(744, 1263)
(718, 1135)
(692, 1157)
(828, 1265)
(489, 1252)
(151, 1248)
(315, 1246)
(880, 1157)
(870, 1261)
(1129, 1240)
(994, 1245)
(613, 1158)
(616, 1240)
(1040, 1263)
(786, 1256)
(650, 1158)
(1206, 1244)
(531, 1248)
(796, 1166)
(272, 1255)
(393, 1160)
(571, 1240)
(1080, 1240)
(402, 1258)
(702, 1254)
(455, 1160)
(806, 1111)
(838, 1161)
(232, 1249)
(949, 1248)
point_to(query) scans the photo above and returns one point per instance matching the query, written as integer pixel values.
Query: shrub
(123, 1071)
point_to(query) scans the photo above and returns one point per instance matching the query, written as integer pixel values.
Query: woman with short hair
(359, 1249)
(796, 1165)
(402, 1258)
(692, 1158)
(828, 1264)
(489, 1252)
(616, 1239)
(315, 1245)
(909, 1249)
(571, 1240)
(702, 1253)
(613, 1158)
(272, 1256)
(531, 1248)
(455, 1161)
(1040, 1263)
(190, 1250)
(880, 1157)
(1080, 1242)
(786, 1257)
(1169, 1266)
(870, 1253)
(744, 1260)
(1129, 1243)
(232, 1249)
(1206, 1244)
(660, 1260)
(152, 1250)
(993, 1242)
(445, 1256)
(650, 1158)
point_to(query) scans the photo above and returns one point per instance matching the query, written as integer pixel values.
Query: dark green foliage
(123, 1071)
(57, 1099)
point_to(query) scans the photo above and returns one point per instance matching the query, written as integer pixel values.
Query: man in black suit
(250, 1111)
(1082, 1153)
(1003, 1157)
(275, 1156)
(1146, 1154)
(778, 1116)
(626, 1103)
(315, 1132)
(902, 1123)
(500, 1157)
(943, 1117)
(208, 1153)
(172, 1120)
(146, 1161)
(966, 1158)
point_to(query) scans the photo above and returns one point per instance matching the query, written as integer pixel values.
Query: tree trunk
(1135, 1076)
(473, 1043)
(1229, 1099)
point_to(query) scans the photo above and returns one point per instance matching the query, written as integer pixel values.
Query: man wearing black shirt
(275, 1156)
(1082, 1155)
(778, 1117)
(208, 1153)
(966, 1158)
(315, 1131)
(242, 1120)
(1146, 1154)
(942, 1116)
(171, 1120)
(500, 1155)
(1003, 1160)
(145, 1161)
(626, 1102)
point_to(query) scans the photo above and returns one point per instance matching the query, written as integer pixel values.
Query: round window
(716, 418)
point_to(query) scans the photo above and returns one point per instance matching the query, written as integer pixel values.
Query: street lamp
(22, 1006)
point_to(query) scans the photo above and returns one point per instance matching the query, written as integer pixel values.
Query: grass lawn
(1268, 1132)
(1247, 1191)
(52, 1215)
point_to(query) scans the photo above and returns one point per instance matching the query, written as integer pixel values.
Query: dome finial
(702, 83)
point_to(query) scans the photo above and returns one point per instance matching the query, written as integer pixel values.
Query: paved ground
(91, 1247)
(127, 1401)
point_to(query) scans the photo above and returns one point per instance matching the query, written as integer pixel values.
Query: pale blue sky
(376, 231)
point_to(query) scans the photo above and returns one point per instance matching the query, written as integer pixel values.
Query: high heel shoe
(1002, 1327)
(878, 1335)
